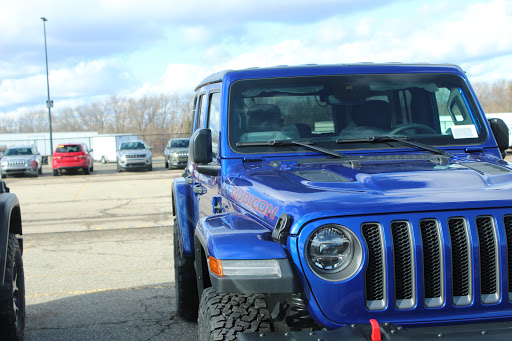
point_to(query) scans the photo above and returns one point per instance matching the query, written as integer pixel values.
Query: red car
(72, 157)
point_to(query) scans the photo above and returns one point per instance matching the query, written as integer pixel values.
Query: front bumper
(178, 161)
(364, 332)
(19, 169)
(135, 164)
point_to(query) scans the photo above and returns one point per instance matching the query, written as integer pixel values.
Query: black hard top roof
(218, 76)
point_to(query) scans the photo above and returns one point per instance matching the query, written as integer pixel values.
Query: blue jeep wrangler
(344, 202)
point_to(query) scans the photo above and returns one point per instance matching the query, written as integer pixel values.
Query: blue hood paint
(370, 187)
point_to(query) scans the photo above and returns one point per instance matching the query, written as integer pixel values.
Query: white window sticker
(464, 132)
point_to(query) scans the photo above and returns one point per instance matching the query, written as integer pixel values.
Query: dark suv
(321, 197)
(176, 153)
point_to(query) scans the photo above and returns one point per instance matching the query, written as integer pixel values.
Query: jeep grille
(451, 254)
(16, 162)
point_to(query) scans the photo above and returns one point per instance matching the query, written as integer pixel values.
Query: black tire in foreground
(223, 315)
(12, 324)
(187, 301)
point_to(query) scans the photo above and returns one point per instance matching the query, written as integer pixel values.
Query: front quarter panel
(237, 239)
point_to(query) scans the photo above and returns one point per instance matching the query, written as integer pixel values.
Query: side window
(202, 111)
(214, 121)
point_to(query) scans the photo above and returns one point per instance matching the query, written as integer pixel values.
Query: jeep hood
(312, 190)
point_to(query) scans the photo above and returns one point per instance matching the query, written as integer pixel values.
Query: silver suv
(176, 153)
(134, 155)
(21, 160)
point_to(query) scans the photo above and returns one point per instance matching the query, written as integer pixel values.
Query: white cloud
(91, 78)
(106, 47)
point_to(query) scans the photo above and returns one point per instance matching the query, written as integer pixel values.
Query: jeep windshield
(429, 108)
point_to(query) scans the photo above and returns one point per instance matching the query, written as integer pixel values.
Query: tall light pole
(49, 103)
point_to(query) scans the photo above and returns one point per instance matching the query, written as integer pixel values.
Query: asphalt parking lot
(98, 255)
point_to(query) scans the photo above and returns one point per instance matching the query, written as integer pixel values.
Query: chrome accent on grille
(16, 162)
(403, 255)
(433, 268)
(489, 262)
(375, 275)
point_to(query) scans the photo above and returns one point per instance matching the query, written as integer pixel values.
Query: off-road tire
(12, 324)
(187, 299)
(223, 315)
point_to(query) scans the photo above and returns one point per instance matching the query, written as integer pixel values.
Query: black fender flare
(10, 222)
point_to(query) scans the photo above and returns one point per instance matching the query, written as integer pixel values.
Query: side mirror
(501, 134)
(200, 148)
(91, 150)
(150, 148)
(200, 152)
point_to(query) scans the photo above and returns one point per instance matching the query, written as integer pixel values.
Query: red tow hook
(375, 330)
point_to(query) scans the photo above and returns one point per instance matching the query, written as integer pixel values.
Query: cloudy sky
(98, 48)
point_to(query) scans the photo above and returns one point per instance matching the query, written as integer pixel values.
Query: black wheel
(12, 324)
(55, 172)
(187, 299)
(166, 164)
(223, 315)
(40, 169)
(150, 168)
(118, 168)
(92, 167)
(87, 170)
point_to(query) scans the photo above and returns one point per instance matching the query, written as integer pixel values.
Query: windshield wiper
(402, 139)
(281, 143)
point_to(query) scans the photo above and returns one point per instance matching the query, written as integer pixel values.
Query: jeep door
(206, 187)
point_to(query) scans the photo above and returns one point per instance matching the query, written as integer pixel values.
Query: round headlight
(330, 249)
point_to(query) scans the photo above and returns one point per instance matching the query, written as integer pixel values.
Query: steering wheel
(415, 126)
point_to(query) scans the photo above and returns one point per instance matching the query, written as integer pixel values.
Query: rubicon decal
(253, 202)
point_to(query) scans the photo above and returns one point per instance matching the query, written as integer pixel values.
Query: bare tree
(155, 114)
(32, 122)
(66, 119)
(496, 96)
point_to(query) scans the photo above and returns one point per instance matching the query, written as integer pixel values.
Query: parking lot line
(77, 196)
